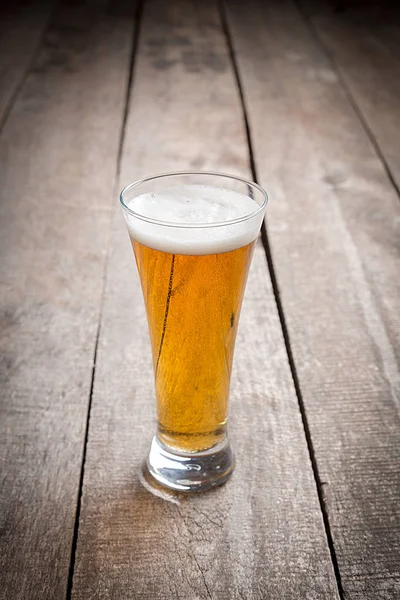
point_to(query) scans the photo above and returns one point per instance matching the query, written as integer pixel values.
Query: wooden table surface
(302, 96)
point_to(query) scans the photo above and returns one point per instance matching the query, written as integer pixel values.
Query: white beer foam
(194, 205)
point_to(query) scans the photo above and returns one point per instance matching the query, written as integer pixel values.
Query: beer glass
(193, 236)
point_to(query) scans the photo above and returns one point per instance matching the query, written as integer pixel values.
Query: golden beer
(193, 236)
(193, 306)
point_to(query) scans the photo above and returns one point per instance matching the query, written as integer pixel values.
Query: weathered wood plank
(260, 536)
(58, 154)
(334, 228)
(362, 42)
(21, 26)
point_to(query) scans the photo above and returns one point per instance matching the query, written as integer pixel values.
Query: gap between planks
(268, 254)
(350, 97)
(31, 64)
(137, 19)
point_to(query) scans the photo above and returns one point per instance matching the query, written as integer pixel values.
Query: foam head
(193, 219)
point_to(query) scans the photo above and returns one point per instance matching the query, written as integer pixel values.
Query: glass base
(190, 472)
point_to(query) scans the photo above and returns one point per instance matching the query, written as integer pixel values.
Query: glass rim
(162, 223)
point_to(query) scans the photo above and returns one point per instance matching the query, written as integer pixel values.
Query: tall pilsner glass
(193, 235)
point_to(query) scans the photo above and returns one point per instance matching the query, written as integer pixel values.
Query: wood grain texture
(261, 535)
(364, 42)
(21, 26)
(334, 225)
(58, 165)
